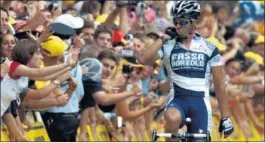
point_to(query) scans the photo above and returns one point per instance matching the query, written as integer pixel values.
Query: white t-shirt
(11, 87)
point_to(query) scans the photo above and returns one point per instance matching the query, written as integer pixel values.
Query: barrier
(254, 136)
(38, 133)
(4, 134)
(89, 134)
(102, 133)
(215, 125)
(155, 125)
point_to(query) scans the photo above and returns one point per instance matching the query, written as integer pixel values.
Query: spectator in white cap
(71, 21)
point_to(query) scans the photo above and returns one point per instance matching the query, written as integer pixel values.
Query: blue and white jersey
(189, 70)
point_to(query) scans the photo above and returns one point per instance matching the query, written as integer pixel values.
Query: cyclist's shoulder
(209, 45)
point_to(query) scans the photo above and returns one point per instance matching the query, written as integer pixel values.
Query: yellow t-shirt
(40, 84)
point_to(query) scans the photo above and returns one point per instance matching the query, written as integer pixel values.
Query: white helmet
(185, 9)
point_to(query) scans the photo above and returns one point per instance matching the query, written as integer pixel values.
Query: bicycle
(184, 137)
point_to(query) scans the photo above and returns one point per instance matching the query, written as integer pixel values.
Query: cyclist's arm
(219, 84)
(150, 53)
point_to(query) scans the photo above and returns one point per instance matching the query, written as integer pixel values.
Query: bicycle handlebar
(184, 136)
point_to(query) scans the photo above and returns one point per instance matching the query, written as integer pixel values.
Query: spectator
(4, 20)
(87, 32)
(103, 38)
(61, 116)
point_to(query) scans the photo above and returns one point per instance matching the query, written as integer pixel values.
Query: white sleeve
(215, 59)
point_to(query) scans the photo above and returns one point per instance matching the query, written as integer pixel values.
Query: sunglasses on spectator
(182, 22)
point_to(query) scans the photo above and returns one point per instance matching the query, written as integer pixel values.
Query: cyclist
(189, 60)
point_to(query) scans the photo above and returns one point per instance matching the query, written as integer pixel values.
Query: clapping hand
(72, 58)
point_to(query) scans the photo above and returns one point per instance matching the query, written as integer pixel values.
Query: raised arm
(36, 72)
(50, 77)
(45, 91)
(111, 18)
(113, 98)
(124, 25)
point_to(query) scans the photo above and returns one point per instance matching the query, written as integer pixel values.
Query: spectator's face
(88, 34)
(136, 74)
(184, 26)
(233, 69)
(19, 7)
(108, 67)
(147, 72)
(35, 60)
(4, 20)
(222, 15)
(104, 41)
(138, 45)
(8, 45)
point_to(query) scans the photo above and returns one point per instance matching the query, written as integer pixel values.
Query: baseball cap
(255, 57)
(62, 30)
(259, 39)
(24, 35)
(132, 61)
(117, 36)
(54, 46)
(71, 21)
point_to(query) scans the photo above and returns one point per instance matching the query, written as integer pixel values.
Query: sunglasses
(182, 22)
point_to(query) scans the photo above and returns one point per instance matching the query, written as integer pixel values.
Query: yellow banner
(102, 133)
(38, 133)
(4, 134)
(254, 136)
(89, 134)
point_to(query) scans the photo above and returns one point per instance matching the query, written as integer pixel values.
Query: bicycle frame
(181, 136)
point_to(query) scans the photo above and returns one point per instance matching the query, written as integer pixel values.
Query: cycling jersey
(189, 69)
(189, 72)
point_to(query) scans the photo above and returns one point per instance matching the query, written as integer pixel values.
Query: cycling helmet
(185, 9)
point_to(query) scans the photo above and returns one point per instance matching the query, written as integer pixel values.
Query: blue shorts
(195, 107)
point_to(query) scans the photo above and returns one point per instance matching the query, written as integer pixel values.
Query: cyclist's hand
(170, 33)
(226, 127)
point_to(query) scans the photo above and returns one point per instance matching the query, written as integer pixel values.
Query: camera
(127, 53)
(121, 3)
(127, 69)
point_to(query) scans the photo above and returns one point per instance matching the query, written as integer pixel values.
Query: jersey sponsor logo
(187, 60)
